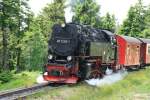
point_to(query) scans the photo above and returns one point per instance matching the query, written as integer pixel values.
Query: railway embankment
(23, 79)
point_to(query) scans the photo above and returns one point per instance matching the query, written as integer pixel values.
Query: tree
(108, 22)
(146, 31)
(23, 20)
(14, 22)
(52, 14)
(6, 13)
(86, 12)
(34, 49)
(134, 24)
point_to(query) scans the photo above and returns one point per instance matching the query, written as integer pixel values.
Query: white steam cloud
(108, 79)
(68, 11)
(40, 80)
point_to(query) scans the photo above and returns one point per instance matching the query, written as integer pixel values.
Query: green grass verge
(135, 85)
(24, 79)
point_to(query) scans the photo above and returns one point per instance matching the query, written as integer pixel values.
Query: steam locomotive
(78, 52)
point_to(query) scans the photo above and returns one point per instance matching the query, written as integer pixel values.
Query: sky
(117, 7)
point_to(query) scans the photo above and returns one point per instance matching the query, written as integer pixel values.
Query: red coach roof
(145, 40)
(131, 39)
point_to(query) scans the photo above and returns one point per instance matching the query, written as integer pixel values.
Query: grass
(134, 86)
(24, 79)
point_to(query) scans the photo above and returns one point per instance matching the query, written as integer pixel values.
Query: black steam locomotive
(79, 52)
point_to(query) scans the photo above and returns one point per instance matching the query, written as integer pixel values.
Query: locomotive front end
(62, 66)
(55, 73)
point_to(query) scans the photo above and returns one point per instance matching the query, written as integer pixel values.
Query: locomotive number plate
(63, 41)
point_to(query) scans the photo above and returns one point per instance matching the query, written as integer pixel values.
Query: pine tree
(14, 22)
(108, 22)
(134, 24)
(146, 31)
(34, 48)
(86, 12)
(52, 14)
(6, 13)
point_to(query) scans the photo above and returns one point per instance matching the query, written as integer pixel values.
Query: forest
(24, 36)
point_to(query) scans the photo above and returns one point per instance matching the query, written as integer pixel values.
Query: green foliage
(15, 17)
(55, 11)
(35, 40)
(5, 77)
(34, 51)
(138, 22)
(108, 22)
(24, 37)
(146, 31)
(134, 24)
(52, 14)
(87, 12)
(23, 79)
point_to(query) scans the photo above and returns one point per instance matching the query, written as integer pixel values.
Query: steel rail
(22, 92)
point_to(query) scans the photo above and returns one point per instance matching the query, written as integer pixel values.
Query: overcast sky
(117, 7)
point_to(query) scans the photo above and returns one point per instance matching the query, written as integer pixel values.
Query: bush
(5, 77)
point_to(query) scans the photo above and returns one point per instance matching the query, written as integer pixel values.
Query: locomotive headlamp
(63, 25)
(69, 58)
(46, 73)
(50, 57)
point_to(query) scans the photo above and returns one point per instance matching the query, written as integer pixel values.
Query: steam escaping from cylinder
(40, 80)
(108, 71)
(108, 79)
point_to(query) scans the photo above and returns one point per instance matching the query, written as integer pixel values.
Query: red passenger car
(128, 51)
(145, 51)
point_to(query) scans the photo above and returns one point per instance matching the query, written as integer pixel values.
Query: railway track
(23, 92)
